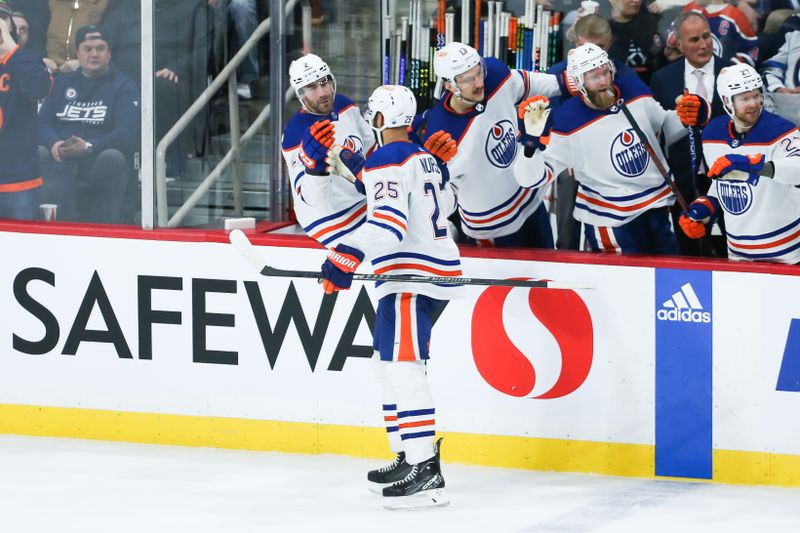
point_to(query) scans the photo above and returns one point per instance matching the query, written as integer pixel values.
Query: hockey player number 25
(438, 232)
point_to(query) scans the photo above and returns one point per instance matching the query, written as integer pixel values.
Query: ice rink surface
(60, 485)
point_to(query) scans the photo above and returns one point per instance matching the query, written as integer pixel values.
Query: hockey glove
(534, 115)
(338, 268)
(737, 167)
(693, 110)
(442, 146)
(348, 164)
(315, 145)
(701, 212)
(567, 85)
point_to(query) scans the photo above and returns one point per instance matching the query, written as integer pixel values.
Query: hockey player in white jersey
(756, 173)
(326, 206)
(496, 205)
(623, 199)
(406, 233)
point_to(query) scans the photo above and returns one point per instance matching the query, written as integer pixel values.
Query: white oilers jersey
(783, 69)
(327, 207)
(406, 230)
(762, 221)
(491, 201)
(617, 178)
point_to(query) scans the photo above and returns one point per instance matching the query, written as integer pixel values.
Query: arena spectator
(637, 41)
(37, 14)
(244, 16)
(23, 81)
(66, 16)
(734, 38)
(91, 123)
(697, 73)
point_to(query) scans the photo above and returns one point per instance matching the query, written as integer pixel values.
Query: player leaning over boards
(623, 199)
(326, 206)
(499, 204)
(406, 233)
(756, 173)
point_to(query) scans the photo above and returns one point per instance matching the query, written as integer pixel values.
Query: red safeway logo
(506, 368)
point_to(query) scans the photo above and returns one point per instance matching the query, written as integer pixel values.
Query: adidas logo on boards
(684, 306)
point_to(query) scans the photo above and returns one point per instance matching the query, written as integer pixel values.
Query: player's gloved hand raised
(701, 212)
(737, 167)
(442, 146)
(338, 268)
(315, 145)
(692, 109)
(348, 164)
(534, 115)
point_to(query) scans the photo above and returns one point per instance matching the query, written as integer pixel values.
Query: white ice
(60, 485)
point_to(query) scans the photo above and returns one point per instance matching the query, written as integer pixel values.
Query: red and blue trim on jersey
(768, 129)
(770, 246)
(620, 207)
(413, 263)
(417, 424)
(501, 215)
(390, 417)
(390, 219)
(332, 227)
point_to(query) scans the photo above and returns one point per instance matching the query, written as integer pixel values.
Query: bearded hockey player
(756, 173)
(623, 199)
(327, 206)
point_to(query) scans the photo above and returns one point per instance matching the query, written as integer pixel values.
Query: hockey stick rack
(246, 249)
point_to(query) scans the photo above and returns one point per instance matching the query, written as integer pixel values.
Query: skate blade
(377, 488)
(428, 499)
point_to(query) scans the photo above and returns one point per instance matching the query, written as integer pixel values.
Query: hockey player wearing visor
(499, 203)
(406, 233)
(326, 206)
(755, 172)
(623, 200)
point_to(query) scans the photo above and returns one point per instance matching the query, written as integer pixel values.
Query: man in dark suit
(697, 71)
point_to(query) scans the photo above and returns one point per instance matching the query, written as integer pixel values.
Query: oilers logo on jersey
(501, 143)
(354, 144)
(628, 155)
(735, 197)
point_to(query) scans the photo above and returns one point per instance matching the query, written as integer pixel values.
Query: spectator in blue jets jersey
(91, 122)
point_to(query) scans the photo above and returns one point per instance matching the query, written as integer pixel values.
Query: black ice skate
(389, 474)
(422, 487)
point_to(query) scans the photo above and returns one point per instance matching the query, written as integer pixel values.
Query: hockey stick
(653, 155)
(664, 173)
(246, 249)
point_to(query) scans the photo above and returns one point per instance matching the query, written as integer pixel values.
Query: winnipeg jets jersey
(733, 35)
(327, 207)
(406, 230)
(783, 69)
(491, 201)
(617, 179)
(763, 220)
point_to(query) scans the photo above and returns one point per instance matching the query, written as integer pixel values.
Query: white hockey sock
(415, 411)
(389, 401)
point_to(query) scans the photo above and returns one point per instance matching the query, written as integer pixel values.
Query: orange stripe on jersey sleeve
(391, 219)
(417, 266)
(772, 244)
(360, 211)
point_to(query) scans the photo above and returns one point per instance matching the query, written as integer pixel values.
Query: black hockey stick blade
(246, 249)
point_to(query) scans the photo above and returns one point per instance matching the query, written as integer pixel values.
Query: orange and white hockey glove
(441, 145)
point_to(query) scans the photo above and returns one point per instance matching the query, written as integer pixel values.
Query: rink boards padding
(667, 368)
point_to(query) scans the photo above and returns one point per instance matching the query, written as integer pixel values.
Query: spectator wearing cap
(66, 16)
(23, 81)
(90, 122)
(696, 72)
